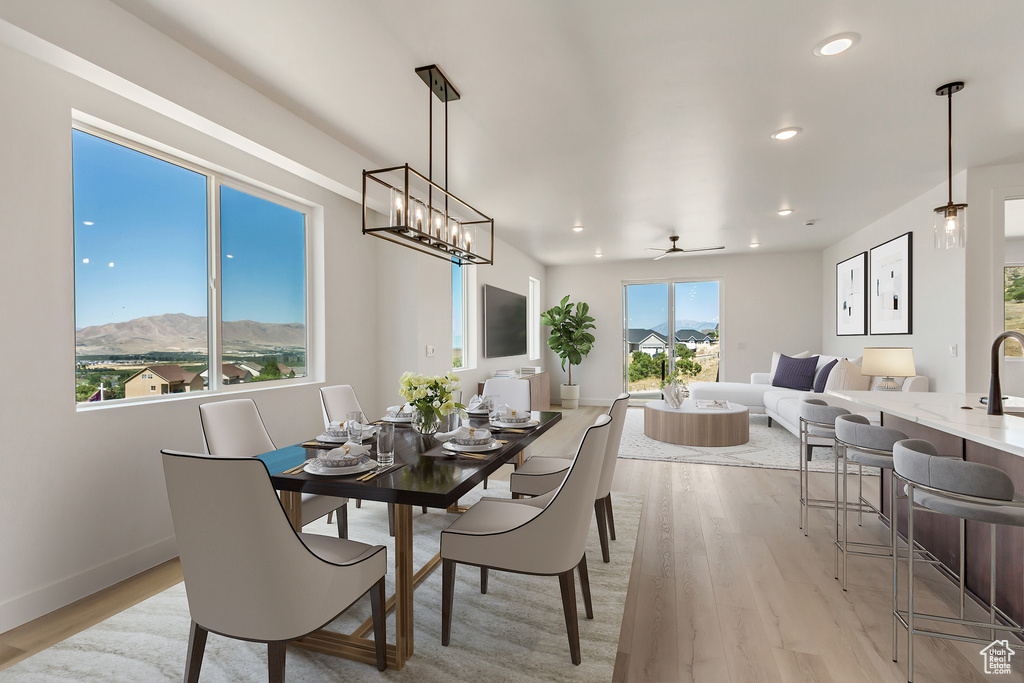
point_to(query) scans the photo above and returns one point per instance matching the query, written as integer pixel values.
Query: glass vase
(426, 422)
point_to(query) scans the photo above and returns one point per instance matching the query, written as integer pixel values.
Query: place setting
(352, 457)
(504, 418)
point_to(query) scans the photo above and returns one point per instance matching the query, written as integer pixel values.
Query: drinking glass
(386, 445)
(355, 426)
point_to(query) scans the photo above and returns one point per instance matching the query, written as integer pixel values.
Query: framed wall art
(890, 287)
(851, 296)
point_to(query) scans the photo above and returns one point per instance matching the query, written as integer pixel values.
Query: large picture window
(158, 245)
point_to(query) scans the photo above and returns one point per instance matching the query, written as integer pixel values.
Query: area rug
(769, 447)
(516, 632)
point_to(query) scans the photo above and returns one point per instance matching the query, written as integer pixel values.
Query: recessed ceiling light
(837, 44)
(786, 133)
(755, 245)
(577, 228)
(785, 212)
(598, 255)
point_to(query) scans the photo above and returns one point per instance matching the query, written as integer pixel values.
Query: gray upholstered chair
(862, 443)
(234, 429)
(538, 475)
(967, 490)
(248, 574)
(545, 536)
(817, 428)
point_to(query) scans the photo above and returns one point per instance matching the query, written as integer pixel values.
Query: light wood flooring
(724, 586)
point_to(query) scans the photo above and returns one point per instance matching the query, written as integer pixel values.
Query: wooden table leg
(291, 501)
(403, 583)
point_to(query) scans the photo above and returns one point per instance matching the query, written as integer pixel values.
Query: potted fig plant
(570, 340)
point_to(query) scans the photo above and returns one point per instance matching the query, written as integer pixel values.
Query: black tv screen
(504, 323)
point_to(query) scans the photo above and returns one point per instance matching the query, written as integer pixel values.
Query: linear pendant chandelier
(423, 215)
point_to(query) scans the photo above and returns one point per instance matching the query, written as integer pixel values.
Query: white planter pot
(570, 396)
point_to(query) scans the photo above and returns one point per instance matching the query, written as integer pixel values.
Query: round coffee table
(689, 425)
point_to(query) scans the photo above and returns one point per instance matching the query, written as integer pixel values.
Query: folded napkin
(474, 403)
(509, 415)
(395, 410)
(471, 436)
(348, 455)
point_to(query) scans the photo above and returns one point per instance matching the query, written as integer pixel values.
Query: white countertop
(949, 413)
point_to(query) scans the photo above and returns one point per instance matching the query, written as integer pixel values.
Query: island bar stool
(967, 490)
(860, 442)
(817, 422)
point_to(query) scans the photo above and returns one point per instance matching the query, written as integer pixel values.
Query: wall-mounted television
(504, 323)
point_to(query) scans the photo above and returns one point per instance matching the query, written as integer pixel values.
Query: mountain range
(687, 325)
(172, 332)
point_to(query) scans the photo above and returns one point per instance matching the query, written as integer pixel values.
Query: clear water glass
(354, 424)
(386, 445)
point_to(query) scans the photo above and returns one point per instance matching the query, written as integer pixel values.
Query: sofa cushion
(822, 376)
(846, 376)
(774, 399)
(775, 362)
(750, 395)
(795, 373)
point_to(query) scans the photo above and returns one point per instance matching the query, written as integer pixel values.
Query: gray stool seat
(817, 420)
(862, 443)
(967, 490)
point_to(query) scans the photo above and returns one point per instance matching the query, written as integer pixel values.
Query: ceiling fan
(676, 249)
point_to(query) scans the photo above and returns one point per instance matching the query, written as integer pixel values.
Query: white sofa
(783, 405)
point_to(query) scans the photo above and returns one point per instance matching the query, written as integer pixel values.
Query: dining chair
(234, 429)
(540, 474)
(248, 574)
(546, 536)
(336, 402)
(513, 392)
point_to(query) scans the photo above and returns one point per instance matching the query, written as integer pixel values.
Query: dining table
(426, 474)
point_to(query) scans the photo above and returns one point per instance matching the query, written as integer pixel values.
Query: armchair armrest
(918, 383)
(760, 377)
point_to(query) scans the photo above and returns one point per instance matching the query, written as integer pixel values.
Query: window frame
(469, 318)
(216, 177)
(533, 319)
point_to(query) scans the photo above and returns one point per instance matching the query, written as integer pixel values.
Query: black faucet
(995, 392)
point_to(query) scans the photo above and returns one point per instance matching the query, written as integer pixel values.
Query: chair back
(247, 574)
(564, 522)
(611, 455)
(234, 429)
(337, 402)
(918, 461)
(513, 392)
(858, 432)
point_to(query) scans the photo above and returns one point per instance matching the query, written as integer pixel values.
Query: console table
(540, 390)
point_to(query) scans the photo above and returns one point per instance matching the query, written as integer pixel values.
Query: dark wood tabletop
(426, 477)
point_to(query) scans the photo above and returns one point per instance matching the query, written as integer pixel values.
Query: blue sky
(648, 303)
(141, 242)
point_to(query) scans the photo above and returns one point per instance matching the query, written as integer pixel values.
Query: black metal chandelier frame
(460, 221)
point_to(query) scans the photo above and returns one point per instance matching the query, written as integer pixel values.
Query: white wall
(770, 302)
(988, 188)
(938, 291)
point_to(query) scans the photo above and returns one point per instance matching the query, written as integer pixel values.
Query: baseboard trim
(34, 604)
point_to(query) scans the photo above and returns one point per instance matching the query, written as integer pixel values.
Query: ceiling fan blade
(656, 258)
(654, 249)
(703, 249)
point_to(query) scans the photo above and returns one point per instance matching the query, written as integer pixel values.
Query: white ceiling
(640, 120)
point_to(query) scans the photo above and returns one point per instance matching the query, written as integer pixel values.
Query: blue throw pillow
(795, 373)
(819, 381)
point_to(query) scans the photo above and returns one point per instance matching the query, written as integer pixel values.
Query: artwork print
(890, 286)
(851, 296)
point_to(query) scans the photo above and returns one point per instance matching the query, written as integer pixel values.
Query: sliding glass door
(670, 330)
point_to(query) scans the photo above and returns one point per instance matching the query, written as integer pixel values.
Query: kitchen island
(958, 425)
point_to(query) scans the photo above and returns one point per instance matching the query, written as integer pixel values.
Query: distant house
(230, 373)
(154, 380)
(250, 367)
(652, 342)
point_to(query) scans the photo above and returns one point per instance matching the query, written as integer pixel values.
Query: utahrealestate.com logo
(997, 656)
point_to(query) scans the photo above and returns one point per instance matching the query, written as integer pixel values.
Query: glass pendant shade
(951, 226)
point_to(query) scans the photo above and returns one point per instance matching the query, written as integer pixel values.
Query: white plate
(388, 418)
(492, 446)
(313, 467)
(323, 438)
(516, 425)
(478, 411)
